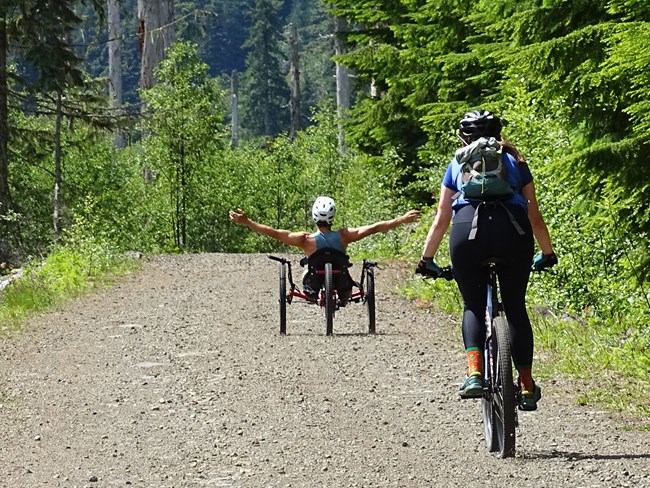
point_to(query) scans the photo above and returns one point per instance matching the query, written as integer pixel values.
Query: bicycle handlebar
(447, 273)
(279, 260)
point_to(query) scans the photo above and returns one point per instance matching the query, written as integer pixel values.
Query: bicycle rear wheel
(330, 300)
(502, 398)
(283, 299)
(489, 419)
(370, 299)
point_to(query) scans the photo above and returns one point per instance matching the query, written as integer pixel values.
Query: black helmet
(479, 123)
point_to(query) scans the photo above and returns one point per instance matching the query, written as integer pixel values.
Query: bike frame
(355, 296)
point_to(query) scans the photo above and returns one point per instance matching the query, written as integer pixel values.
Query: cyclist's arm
(540, 231)
(297, 239)
(349, 235)
(440, 222)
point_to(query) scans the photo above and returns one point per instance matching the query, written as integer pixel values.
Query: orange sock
(474, 362)
(526, 379)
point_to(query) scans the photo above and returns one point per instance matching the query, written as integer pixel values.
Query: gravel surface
(178, 377)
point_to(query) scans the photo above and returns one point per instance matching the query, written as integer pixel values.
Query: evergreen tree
(265, 93)
(37, 35)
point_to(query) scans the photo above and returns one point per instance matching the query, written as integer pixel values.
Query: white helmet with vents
(324, 210)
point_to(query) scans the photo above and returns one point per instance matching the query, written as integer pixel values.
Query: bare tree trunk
(156, 34)
(115, 63)
(5, 198)
(234, 119)
(295, 83)
(342, 76)
(58, 205)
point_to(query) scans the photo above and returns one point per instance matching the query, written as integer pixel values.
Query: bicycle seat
(493, 262)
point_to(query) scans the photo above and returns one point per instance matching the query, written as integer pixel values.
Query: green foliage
(616, 360)
(184, 131)
(85, 258)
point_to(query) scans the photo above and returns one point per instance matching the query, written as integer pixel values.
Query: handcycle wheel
(283, 299)
(503, 392)
(329, 299)
(370, 299)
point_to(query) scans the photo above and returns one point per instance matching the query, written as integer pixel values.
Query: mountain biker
(504, 230)
(323, 213)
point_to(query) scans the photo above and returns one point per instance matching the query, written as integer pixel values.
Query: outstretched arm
(297, 239)
(356, 234)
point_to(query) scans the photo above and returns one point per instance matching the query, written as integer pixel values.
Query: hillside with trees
(107, 145)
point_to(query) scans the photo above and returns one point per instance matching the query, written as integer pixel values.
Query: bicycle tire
(283, 299)
(503, 399)
(489, 418)
(329, 300)
(370, 299)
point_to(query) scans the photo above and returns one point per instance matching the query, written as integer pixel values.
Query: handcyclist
(323, 213)
(500, 228)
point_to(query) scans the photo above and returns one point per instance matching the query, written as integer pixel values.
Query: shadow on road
(577, 456)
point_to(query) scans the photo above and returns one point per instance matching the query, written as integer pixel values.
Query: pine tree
(265, 93)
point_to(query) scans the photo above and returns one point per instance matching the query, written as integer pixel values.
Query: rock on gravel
(178, 377)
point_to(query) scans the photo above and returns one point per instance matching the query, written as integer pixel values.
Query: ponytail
(511, 149)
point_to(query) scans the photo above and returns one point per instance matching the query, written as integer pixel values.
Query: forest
(135, 125)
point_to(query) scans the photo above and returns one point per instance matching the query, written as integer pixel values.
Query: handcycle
(331, 268)
(500, 395)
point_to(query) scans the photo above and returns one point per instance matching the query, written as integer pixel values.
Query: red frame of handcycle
(321, 297)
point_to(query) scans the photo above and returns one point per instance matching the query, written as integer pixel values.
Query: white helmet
(324, 210)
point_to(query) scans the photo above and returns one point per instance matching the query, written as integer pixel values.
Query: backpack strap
(474, 230)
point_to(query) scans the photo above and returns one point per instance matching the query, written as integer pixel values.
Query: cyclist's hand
(238, 216)
(428, 267)
(543, 261)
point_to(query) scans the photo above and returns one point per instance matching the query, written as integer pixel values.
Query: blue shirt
(330, 239)
(518, 176)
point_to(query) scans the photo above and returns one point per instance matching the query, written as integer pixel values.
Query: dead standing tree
(156, 33)
(115, 63)
(342, 77)
(295, 83)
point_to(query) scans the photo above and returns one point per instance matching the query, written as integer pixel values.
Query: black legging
(496, 237)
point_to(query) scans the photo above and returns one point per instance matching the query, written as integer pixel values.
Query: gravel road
(177, 377)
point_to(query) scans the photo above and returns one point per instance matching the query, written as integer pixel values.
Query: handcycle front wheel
(330, 299)
(499, 415)
(370, 299)
(283, 299)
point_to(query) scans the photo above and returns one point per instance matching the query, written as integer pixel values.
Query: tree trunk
(342, 76)
(5, 199)
(295, 83)
(58, 205)
(156, 33)
(234, 119)
(115, 64)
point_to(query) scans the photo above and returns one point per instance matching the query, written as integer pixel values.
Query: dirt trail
(177, 377)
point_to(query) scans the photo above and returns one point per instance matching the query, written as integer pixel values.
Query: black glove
(543, 261)
(428, 267)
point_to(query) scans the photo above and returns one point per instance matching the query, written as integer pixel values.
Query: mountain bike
(330, 266)
(499, 401)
